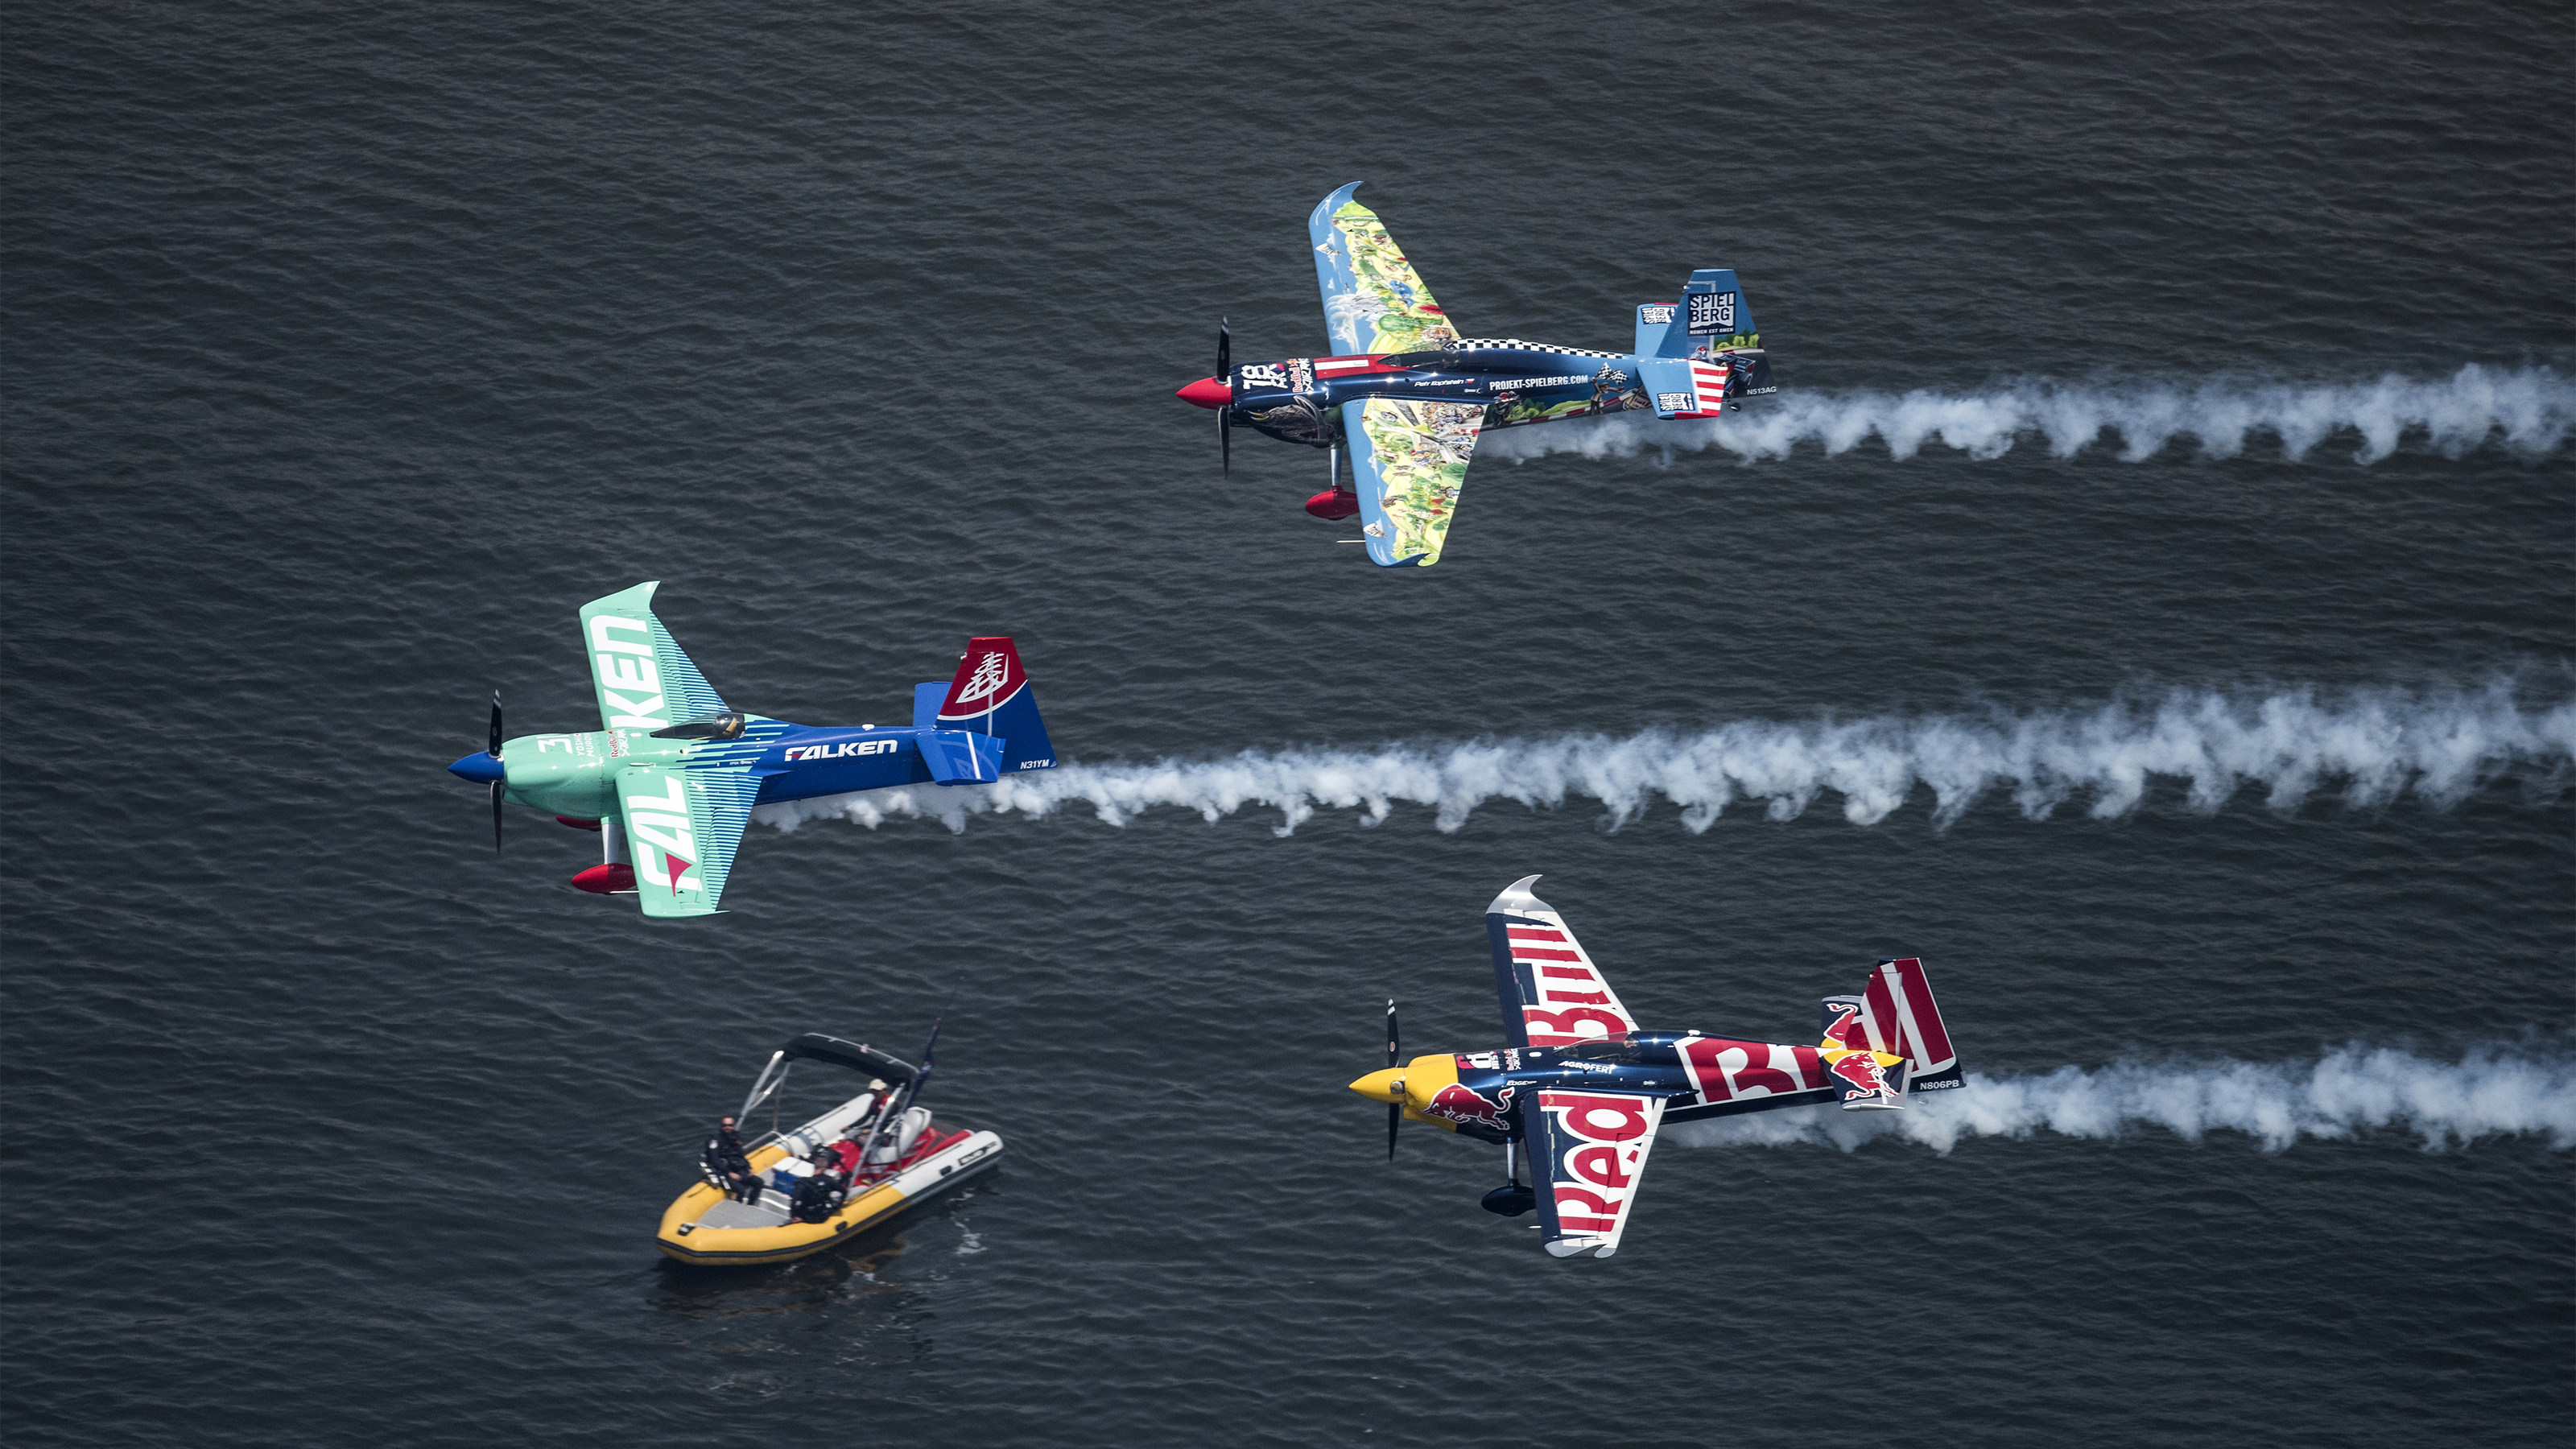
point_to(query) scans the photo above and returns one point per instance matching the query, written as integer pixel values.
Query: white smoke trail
(2533, 408)
(2438, 745)
(2349, 1092)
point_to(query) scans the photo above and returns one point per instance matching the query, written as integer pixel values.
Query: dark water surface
(349, 350)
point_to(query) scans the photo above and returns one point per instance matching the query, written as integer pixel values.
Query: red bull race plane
(1407, 396)
(1583, 1088)
(676, 771)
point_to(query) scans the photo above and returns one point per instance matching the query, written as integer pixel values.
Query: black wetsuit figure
(816, 1197)
(728, 1164)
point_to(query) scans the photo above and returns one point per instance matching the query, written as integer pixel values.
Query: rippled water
(2152, 360)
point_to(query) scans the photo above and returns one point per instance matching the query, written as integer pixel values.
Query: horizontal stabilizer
(1661, 332)
(962, 757)
(1686, 387)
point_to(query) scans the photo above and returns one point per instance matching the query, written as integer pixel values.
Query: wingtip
(1518, 899)
(642, 592)
(1325, 208)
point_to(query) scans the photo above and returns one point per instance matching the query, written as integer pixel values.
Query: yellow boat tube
(703, 1225)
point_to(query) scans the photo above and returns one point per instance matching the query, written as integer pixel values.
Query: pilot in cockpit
(726, 726)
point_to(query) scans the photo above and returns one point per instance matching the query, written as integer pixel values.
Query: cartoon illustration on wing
(1407, 396)
(674, 771)
(1583, 1089)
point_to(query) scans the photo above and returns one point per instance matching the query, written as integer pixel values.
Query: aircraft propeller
(1225, 370)
(494, 750)
(484, 767)
(1395, 1109)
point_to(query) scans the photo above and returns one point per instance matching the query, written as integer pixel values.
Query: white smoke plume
(2378, 745)
(2349, 1092)
(2532, 408)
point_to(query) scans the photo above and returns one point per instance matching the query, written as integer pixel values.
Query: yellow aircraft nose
(1382, 1086)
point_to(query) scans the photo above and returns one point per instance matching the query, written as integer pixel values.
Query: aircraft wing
(1373, 301)
(1595, 1146)
(645, 683)
(1551, 993)
(683, 824)
(1409, 459)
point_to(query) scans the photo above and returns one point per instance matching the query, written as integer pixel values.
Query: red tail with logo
(1897, 1015)
(991, 695)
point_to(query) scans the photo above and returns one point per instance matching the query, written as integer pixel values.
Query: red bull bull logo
(1456, 1103)
(1865, 1075)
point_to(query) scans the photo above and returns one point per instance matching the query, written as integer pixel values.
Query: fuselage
(1297, 399)
(574, 775)
(1483, 1094)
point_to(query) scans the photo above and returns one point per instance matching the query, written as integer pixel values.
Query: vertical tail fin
(1868, 1075)
(1896, 1015)
(991, 695)
(1712, 323)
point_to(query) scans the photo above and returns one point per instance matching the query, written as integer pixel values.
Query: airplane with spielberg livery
(674, 773)
(1406, 396)
(1582, 1088)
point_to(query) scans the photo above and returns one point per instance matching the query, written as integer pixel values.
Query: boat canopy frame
(813, 1046)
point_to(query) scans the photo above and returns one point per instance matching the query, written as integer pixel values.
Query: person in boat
(819, 1193)
(728, 1164)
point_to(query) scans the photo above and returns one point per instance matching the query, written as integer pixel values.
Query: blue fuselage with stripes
(1644, 1062)
(800, 762)
(805, 761)
(1296, 401)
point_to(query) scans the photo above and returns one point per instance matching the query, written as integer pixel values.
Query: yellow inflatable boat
(877, 1154)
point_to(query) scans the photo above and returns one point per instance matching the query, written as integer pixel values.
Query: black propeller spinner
(1394, 1110)
(1225, 370)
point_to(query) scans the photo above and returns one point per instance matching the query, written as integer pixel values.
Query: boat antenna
(927, 1047)
(911, 1089)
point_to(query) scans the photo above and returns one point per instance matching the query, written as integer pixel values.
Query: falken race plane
(1407, 395)
(1585, 1087)
(677, 770)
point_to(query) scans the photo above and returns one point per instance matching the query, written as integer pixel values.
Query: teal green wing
(1373, 299)
(684, 824)
(645, 683)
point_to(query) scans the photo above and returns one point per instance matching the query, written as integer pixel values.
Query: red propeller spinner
(1207, 392)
